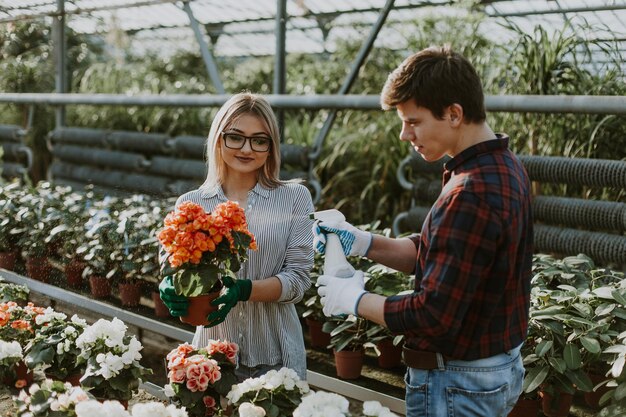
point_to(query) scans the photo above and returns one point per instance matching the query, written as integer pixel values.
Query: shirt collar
(501, 142)
(217, 191)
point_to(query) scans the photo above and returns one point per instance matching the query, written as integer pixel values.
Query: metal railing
(314, 379)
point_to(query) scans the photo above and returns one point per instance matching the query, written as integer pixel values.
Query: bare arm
(266, 290)
(372, 307)
(399, 254)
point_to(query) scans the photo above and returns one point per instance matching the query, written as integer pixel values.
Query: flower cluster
(198, 377)
(18, 323)
(49, 396)
(202, 246)
(112, 358)
(13, 292)
(278, 393)
(190, 232)
(54, 347)
(10, 355)
(115, 409)
(327, 404)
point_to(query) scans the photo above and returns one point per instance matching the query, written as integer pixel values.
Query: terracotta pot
(556, 407)
(160, 309)
(199, 309)
(7, 260)
(390, 355)
(593, 398)
(319, 339)
(100, 286)
(23, 376)
(74, 273)
(525, 407)
(349, 363)
(38, 268)
(130, 293)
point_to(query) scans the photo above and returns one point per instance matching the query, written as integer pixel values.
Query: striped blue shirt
(268, 333)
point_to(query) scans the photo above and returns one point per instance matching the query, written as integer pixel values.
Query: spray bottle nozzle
(335, 262)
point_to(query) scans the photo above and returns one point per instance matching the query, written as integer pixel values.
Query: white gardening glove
(354, 242)
(340, 295)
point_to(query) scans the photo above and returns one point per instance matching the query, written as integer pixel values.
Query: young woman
(257, 310)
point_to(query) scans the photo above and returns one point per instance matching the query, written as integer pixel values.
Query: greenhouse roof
(247, 27)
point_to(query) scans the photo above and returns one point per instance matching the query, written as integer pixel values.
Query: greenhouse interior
(108, 112)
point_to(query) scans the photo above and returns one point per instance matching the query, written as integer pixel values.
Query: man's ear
(454, 113)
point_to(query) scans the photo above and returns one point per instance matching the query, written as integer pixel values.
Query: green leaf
(619, 297)
(543, 347)
(571, 354)
(590, 344)
(534, 378)
(580, 379)
(558, 364)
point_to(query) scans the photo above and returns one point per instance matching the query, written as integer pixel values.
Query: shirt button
(240, 336)
(241, 314)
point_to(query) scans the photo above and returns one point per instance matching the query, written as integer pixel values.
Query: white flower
(10, 350)
(375, 409)
(322, 404)
(251, 410)
(93, 408)
(168, 391)
(49, 315)
(157, 409)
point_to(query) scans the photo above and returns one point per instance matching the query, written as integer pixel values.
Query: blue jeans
(486, 387)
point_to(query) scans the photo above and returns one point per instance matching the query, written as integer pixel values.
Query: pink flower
(177, 375)
(192, 385)
(209, 401)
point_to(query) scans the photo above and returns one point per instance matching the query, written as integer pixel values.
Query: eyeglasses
(237, 141)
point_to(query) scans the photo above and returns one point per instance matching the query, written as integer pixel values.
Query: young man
(468, 316)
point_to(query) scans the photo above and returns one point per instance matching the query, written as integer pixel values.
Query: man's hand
(354, 241)
(176, 304)
(341, 295)
(233, 292)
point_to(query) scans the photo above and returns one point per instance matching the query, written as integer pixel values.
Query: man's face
(431, 138)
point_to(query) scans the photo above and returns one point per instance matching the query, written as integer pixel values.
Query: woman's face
(245, 160)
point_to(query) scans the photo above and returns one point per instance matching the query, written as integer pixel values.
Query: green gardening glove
(234, 291)
(176, 304)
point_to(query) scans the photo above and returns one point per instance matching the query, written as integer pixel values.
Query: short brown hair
(436, 78)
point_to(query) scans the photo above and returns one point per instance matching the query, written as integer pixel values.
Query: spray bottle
(335, 262)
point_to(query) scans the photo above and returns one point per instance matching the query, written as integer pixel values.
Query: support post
(207, 56)
(279, 63)
(60, 62)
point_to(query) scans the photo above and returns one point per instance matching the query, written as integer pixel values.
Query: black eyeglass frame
(249, 139)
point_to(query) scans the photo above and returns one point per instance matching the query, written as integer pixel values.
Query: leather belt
(421, 359)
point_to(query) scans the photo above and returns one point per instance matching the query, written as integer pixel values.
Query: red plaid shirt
(474, 256)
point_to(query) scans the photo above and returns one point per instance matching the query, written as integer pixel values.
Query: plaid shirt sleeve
(462, 235)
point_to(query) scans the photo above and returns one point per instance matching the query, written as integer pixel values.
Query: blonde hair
(235, 107)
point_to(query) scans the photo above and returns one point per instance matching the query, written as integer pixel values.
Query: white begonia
(78, 321)
(93, 408)
(49, 315)
(168, 391)
(375, 409)
(322, 404)
(10, 350)
(157, 409)
(250, 410)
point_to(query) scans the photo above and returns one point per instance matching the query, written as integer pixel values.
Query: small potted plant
(348, 337)
(50, 399)
(18, 323)
(11, 228)
(54, 348)
(199, 377)
(200, 248)
(13, 292)
(112, 359)
(278, 393)
(13, 371)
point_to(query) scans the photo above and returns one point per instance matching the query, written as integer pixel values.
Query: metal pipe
(60, 60)
(279, 59)
(349, 81)
(509, 103)
(207, 56)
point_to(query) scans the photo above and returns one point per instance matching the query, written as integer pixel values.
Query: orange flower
(4, 318)
(20, 383)
(20, 325)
